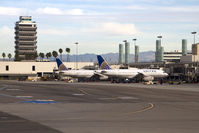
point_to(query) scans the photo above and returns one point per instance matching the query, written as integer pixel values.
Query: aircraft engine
(103, 77)
(148, 78)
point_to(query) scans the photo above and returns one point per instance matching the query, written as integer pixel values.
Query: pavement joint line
(83, 91)
(12, 121)
(4, 87)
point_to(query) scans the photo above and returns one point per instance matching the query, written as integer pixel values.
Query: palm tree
(55, 54)
(68, 52)
(47, 55)
(3, 55)
(35, 55)
(60, 51)
(9, 56)
(41, 55)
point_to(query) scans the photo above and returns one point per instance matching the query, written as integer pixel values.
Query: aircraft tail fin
(60, 65)
(102, 63)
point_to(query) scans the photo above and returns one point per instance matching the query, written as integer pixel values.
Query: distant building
(25, 39)
(189, 58)
(172, 56)
(194, 57)
(195, 49)
(14, 70)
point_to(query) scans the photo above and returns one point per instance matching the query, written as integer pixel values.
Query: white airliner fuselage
(120, 73)
(131, 73)
(80, 73)
(153, 72)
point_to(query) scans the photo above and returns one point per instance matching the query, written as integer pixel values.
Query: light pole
(160, 37)
(134, 41)
(194, 36)
(76, 59)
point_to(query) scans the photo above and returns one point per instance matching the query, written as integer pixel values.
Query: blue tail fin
(102, 63)
(60, 65)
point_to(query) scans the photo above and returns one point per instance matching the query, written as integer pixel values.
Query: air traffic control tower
(25, 39)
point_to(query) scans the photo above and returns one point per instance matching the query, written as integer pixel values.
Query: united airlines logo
(104, 65)
(62, 67)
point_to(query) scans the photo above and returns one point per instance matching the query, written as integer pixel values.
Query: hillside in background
(112, 58)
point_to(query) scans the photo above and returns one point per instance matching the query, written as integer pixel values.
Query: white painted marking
(121, 98)
(24, 96)
(78, 94)
(12, 89)
(107, 98)
(44, 100)
(126, 98)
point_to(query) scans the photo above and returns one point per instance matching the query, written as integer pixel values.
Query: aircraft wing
(139, 76)
(100, 76)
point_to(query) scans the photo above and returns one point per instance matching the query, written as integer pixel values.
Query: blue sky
(100, 25)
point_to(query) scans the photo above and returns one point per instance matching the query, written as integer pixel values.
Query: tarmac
(59, 107)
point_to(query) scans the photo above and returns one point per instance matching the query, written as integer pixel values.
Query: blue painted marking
(39, 102)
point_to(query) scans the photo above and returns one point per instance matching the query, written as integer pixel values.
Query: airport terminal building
(14, 70)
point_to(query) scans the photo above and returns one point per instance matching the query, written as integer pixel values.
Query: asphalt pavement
(55, 107)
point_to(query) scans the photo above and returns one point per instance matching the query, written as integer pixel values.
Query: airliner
(119, 75)
(116, 75)
(82, 75)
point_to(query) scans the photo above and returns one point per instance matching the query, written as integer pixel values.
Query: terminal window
(33, 68)
(7, 68)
